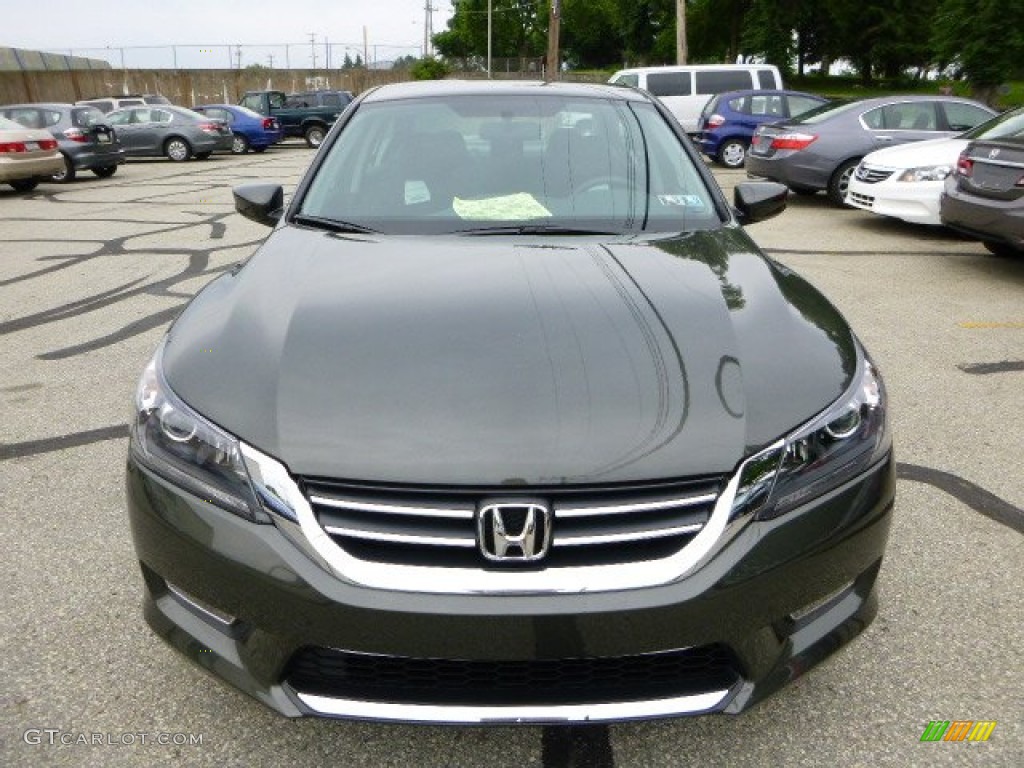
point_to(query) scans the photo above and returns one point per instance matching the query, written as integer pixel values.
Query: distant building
(14, 59)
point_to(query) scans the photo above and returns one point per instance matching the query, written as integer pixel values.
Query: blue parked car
(251, 129)
(730, 119)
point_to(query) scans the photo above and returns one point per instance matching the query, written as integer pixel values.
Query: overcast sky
(202, 30)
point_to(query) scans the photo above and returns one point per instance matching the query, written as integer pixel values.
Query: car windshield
(479, 163)
(1003, 126)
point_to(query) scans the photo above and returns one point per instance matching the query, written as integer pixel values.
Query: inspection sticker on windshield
(515, 207)
(683, 201)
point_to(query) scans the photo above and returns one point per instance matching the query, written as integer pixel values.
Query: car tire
(315, 135)
(239, 144)
(732, 153)
(177, 149)
(840, 181)
(106, 171)
(1004, 250)
(24, 185)
(68, 174)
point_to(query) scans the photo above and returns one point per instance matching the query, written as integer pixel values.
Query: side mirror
(759, 200)
(263, 203)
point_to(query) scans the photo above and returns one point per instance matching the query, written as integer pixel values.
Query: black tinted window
(716, 81)
(766, 79)
(330, 100)
(670, 83)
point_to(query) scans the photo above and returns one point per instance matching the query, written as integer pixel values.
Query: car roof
(433, 88)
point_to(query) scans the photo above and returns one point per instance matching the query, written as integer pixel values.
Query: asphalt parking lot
(91, 273)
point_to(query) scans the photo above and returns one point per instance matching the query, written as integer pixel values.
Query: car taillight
(716, 121)
(793, 140)
(208, 128)
(48, 144)
(11, 147)
(268, 123)
(964, 166)
(74, 134)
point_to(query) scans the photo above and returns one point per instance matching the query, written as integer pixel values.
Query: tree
(983, 39)
(429, 68)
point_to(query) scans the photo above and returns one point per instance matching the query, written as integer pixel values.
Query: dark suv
(84, 137)
(338, 99)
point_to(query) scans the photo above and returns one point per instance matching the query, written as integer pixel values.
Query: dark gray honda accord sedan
(509, 421)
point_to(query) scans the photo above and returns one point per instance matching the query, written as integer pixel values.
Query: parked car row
(936, 160)
(99, 134)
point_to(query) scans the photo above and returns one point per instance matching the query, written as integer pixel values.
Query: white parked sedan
(905, 182)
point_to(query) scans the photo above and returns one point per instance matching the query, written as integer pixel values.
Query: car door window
(630, 80)
(669, 83)
(766, 79)
(719, 81)
(961, 117)
(161, 116)
(120, 118)
(909, 116)
(766, 104)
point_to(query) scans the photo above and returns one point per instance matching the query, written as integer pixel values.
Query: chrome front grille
(870, 174)
(439, 528)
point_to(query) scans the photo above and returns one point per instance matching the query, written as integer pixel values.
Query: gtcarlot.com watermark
(55, 737)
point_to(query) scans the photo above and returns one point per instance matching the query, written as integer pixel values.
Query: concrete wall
(191, 87)
(187, 87)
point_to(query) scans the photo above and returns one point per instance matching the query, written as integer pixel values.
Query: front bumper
(915, 202)
(245, 602)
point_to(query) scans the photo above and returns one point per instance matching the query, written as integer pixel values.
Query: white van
(685, 89)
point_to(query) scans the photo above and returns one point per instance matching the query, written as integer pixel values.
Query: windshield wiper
(332, 225)
(535, 229)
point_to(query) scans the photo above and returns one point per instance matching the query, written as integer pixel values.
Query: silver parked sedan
(173, 132)
(820, 149)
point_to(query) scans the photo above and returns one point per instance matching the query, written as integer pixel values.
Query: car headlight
(178, 444)
(831, 449)
(926, 173)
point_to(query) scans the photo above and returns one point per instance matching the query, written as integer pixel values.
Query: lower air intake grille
(396, 679)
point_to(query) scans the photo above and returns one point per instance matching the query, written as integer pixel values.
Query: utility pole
(428, 27)
(270, 58)
(681, 32)
(554, 22)
(490, 35)
(312, 46)
(238, 55)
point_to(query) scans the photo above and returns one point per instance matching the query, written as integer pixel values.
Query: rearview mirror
(759, 200)
(263, 203)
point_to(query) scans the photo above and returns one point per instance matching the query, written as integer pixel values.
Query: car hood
(508, 360)
(918, 154)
